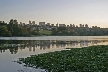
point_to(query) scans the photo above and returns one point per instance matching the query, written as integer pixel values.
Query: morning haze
(91, 12)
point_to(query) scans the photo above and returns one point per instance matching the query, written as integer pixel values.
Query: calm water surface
(12, 48)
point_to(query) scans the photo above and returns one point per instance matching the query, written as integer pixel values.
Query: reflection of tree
(57, 45)
(95, 41)
(86, 43)
(2, 51)
(13, 50)
(81, 43)
(64, 45)
(34, 48)
(53, 45)
(13, 46)
(30, 48)
(48, 46)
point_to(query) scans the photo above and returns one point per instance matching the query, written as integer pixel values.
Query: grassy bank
(90, 59)
(45, 32)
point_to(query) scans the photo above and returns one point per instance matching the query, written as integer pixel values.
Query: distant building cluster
(48, 26)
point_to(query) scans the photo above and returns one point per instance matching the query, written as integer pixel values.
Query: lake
(12, 48)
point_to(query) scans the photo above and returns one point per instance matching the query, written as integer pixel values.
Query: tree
(4, 31)
(54, 31)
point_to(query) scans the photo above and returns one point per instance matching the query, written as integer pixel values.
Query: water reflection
(14, 45)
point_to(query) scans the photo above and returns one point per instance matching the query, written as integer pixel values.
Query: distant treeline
(79, 31)
(13, 29)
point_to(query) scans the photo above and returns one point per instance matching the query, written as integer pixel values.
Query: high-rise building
(83, 25)
(20, 22)
(73, 25)
(48, 24)
(52, 25)
(86, 25)
(67, 25)
(92, 26)
(41, 23)
(80, 25)
(57, 25)
(70, 25)
(15, 21)
(30, 22)
(62, 25)
(76, 26)
(33, 22)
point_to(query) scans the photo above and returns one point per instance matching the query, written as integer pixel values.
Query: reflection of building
(81, 43)
(53, 45)
(48, 46)
(42, 45)
(34, 48)
(30, 49)
(86, 43)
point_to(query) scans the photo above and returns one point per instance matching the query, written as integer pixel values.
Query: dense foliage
(13, 29)
(13, 45)
(89, 59)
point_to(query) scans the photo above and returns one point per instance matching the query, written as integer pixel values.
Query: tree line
(13, 29)
(79, 31)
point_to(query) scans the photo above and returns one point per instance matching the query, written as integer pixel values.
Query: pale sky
(91, 12)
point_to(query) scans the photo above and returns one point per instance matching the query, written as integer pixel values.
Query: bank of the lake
(87, 59)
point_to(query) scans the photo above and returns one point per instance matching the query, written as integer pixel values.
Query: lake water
(12, 48)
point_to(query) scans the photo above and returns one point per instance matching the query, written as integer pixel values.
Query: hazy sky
(91, 12)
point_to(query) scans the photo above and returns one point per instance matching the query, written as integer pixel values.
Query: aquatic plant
(87, 59)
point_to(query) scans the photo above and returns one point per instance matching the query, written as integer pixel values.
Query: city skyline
(91, 12)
